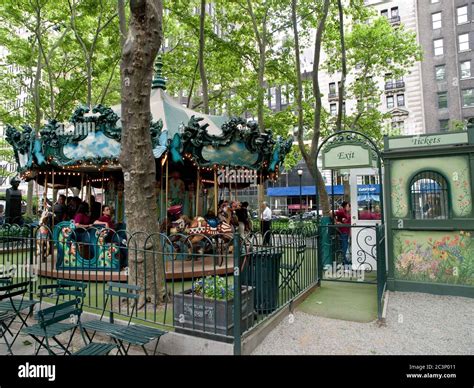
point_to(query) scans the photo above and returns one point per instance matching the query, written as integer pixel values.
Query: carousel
(201, 160)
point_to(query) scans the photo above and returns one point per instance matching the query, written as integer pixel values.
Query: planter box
(196, 315)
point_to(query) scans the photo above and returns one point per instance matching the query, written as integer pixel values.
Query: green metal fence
(219, 286)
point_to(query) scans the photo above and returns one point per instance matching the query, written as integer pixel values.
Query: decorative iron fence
(217, 286)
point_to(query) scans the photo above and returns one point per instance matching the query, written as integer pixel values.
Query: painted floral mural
(435, 257)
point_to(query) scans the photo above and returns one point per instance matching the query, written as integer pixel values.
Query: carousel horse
(200, 229)
(44, 248)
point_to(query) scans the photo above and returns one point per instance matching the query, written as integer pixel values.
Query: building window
(384, 13)
(272, 97)
(394, 12)
(438, 47)
(332, 89)
(291, 96)
(444, 125)
(463, 40)
(390, 103)
(465, 69)
(283, 95)
(468, 97)
(333, 109)
(429, 195)
(440, 72)
(398, 126)
(436, 20)
(400, 100)
(462, 14)
(442, 100)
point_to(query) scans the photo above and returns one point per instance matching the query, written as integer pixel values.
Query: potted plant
(207, 308)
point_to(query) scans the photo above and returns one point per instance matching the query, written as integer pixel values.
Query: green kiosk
(429, 213)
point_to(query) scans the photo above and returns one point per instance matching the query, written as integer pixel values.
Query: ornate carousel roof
(91, 139)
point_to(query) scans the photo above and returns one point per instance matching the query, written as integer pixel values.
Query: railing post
(31, 261)
(380, 271)
(237, 296)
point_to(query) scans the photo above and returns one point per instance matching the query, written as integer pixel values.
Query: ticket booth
(429, 212)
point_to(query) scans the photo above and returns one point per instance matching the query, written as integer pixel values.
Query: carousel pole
(215, 192)
(82, 186)
(167, 187)
(161, 193)
(45, 193)
(197, 190)
(102, 194)
(53, 201)
(89, 192)
(37, 196)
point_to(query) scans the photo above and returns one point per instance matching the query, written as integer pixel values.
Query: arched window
(429, 193)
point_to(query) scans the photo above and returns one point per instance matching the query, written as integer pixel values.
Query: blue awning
(294, 191)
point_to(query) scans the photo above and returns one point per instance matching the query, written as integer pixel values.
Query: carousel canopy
(90, 141)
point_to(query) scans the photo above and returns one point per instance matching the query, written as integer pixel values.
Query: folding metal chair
(130, 334)
(288, 271)
(50, 326)
(11, 308)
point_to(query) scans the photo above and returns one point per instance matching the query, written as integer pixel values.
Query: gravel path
(416, 324)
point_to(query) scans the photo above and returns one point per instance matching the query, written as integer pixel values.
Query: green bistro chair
(289, 271)
(11, 301)
(130, 334)
(50, 325)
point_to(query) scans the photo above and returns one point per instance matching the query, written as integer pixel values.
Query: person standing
(60, 209)
(95, 209)
(241, 214)
(343, 216)
(266, 220)
(244, 218)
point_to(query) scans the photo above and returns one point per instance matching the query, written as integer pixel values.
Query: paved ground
(25, 345)
(416, 324)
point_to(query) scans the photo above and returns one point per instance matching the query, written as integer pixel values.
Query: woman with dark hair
(81, 218)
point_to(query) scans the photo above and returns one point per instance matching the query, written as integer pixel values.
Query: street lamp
(300, 174)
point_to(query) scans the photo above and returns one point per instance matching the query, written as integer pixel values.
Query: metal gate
(351, 241)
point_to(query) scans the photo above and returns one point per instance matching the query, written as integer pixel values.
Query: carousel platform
(175, 270)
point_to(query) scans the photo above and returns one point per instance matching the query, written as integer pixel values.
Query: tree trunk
(310, 158)
(261, 88)
(29, 199)
(313, 168)
(262, 46)
(138, 164)
(202, 70)
(122, 21)
(347, 190)
(340, 112)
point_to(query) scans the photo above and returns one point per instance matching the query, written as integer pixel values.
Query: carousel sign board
(346, 156)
